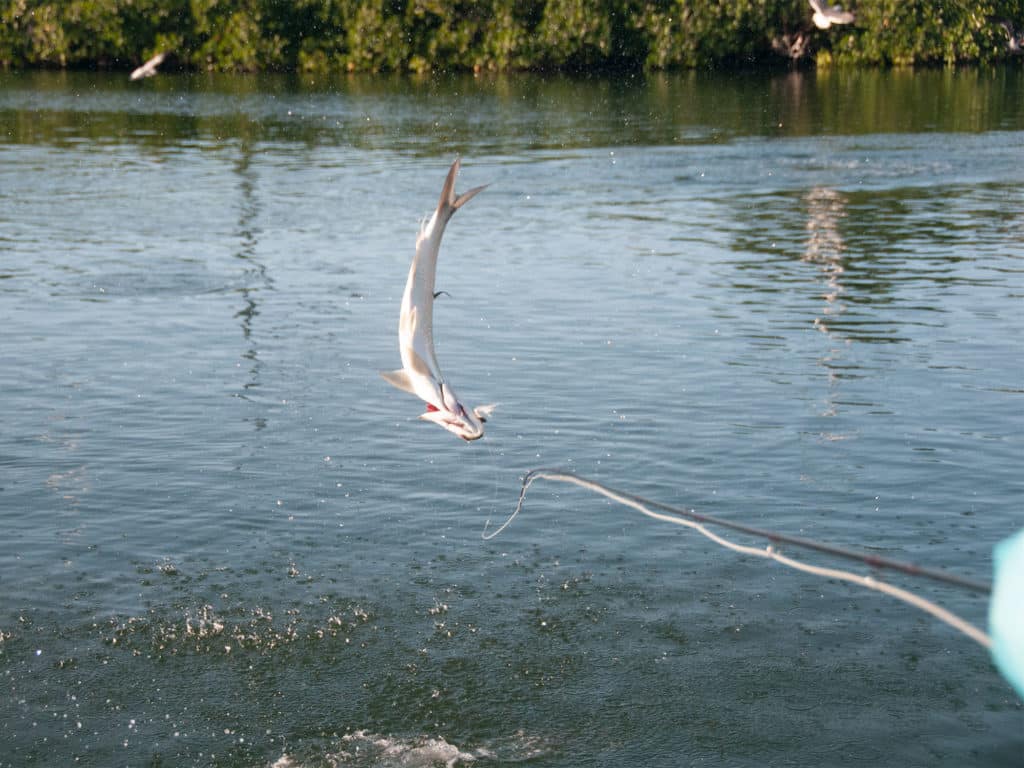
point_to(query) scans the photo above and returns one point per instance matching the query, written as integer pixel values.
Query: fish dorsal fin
(399, 379)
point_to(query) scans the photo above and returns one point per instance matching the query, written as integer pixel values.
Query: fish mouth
(453, 422)
(467, 432)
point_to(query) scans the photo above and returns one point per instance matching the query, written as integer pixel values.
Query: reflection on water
(887, 256)
(786, 299)
(502, 113)
(255, 278)
(825, 209)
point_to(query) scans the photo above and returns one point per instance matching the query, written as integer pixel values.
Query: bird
(826, 15)
(1015, 40)
(792, 46)
(149, 68)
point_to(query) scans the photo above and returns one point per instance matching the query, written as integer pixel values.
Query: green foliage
(88, 32)
(900, 33)
(235, 35)
(421, 35)
(691, 34)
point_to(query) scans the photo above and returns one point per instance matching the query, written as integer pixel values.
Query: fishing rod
(639, 502)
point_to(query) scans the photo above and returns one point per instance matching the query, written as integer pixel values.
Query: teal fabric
(1006, 611)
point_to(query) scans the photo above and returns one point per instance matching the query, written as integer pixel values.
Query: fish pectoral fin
(483, 412)
(399, 379)
(436, 416)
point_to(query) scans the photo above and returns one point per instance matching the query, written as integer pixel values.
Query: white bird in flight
(826, 15)
(149, 68)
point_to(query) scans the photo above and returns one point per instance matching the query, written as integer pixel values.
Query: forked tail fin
(450, 202)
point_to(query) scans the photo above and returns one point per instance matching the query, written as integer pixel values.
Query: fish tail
(451, 202)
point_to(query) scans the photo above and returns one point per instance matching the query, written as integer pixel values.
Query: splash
(365, 748)
(206, 630)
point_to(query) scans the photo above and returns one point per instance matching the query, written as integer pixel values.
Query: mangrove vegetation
(502, 35)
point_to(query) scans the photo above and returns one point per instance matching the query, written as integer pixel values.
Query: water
(788, 300)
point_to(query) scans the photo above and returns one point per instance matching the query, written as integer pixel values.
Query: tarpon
(420, 374)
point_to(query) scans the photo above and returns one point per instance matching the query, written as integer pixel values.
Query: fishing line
(699, 523)
(496, 470)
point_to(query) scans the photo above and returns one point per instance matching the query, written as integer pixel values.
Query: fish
(149, 68)
(420, 373)
(826, 15)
